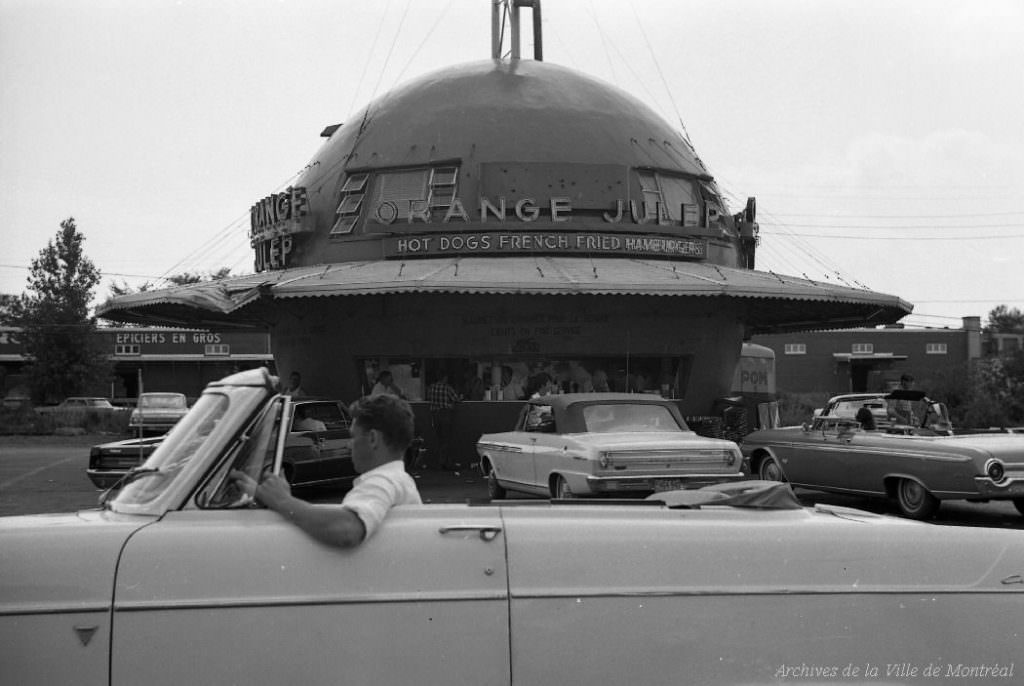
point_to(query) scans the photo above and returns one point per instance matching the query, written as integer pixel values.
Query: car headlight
(604, 461)
(995, 470)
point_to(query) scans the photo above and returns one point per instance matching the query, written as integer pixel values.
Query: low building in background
(865, 360)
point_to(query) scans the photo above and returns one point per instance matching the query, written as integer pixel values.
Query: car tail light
(995, 470)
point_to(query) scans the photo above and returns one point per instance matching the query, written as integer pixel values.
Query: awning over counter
(775, 302)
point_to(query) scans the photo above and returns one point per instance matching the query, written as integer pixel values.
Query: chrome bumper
(647, 482)
(1010, 487)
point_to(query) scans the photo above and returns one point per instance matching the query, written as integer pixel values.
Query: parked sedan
(318, 449)
(155, 413)
(182, 579)
(81, 403)
(109, 462)
(834, 453)
(602, 443)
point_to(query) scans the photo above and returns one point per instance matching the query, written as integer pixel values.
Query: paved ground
(47, 474)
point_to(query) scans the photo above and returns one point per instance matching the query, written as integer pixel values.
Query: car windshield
(194, 432)
(896, 411)
(162, 401)
(605, 418)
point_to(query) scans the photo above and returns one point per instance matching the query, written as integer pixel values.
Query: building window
(935, 348)
(127, 349)
(862, 348)
(351, 202)
(425, 193)
(674, 195)
(217, 349)
(796, 349)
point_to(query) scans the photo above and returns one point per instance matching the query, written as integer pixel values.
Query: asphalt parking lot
(47, 474)
(40, 474)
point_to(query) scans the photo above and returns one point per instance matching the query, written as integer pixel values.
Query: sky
(883, 139)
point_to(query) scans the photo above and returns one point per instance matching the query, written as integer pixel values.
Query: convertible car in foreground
(181, 579)
(917, 464)
(603, 443)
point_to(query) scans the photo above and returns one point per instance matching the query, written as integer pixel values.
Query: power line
(901, 216)
(899, 238)
(1013, 225)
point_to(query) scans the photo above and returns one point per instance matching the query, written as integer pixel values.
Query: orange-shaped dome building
(500, 220)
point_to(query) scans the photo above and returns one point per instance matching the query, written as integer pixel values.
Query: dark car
(318, 449)
(82, 403)
(918, 463)
(108, 462)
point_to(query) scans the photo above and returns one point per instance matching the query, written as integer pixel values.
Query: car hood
(61, 561)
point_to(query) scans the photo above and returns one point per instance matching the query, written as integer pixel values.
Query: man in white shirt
(382, 428)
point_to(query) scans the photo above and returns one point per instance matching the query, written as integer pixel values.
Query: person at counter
(386, 386)
(442, 398)
(539, 385)
(513, 384)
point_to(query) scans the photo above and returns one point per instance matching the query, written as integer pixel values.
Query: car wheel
(914, 500)
(1019, 504)
(769, 470)
(562, 490)
(494, 489)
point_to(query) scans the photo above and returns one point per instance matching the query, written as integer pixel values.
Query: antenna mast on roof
(511, 7)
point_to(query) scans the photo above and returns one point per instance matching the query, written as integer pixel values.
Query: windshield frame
(170, 490)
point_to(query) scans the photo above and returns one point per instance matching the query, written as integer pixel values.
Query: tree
(8, 308)
(65, 358)
(182, 279)
(1005, 320)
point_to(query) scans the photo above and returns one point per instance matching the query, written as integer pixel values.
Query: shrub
(24, 421)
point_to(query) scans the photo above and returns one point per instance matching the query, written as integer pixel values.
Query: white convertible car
(600, 444)
(180, 579)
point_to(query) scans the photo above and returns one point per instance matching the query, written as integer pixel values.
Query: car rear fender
(892, 481)
(577, 482)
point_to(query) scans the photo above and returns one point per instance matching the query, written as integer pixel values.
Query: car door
(513, 453)
(547, 446)
(663, 598)
(335, 442)
(242, 596)
(815, 459)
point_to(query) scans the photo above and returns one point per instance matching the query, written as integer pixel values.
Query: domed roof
(522, 110)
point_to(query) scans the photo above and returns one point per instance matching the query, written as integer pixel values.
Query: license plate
(661, 485)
